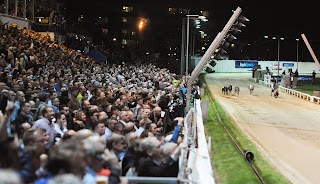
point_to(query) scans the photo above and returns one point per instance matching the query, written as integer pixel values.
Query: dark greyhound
(229, 89)
(225, 90)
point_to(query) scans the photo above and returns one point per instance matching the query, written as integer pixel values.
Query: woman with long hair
(79, 120)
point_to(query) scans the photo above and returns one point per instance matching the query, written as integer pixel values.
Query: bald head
(157, 110)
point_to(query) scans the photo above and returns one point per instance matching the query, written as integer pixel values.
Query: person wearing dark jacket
(151, 163)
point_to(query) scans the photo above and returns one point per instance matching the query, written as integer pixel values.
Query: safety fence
(194, 162)
(301, 95)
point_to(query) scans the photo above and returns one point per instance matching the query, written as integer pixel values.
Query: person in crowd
(34, 143)
(47, 124)
(150, 162)
(313, 77)
(117, 145)
(119, 128)
(79, 121)
(65, 110)
(99, 128)
(123, 117)
(94, 146)
(67, 157)
(60, 125)
(43, 101)
(133, 141)
(22, 119)
(20, 99)
(74, 103)
(110, 127)
(55, 104)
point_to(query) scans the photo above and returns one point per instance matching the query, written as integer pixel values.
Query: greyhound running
(236, 90)
(251, 88)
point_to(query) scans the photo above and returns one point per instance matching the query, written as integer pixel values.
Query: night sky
(281, 18)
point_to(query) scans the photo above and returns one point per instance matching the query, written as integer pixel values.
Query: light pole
(182, 60)
(297, 52)
(188, 30)
(278, 38)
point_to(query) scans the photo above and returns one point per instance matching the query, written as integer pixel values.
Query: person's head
(20, 96)
(157, 111)
(55, 101)
(129, 127)
(61, 119)
(146, 133)
(99, 128)
(140, 101)
(67, 157)
(103, 116)
(111, 122)
(152, 127)
(80, 116)
(116, 143)
(143, 123)
(124, 116)
(115, 110)
(94, 146)
(133, 141)
(48, 113)
(131, 116)
(119, 128)
(35, 141)
(32, 103)
(152, 147)
(12, 96)
(25, 107)
(65, 109)
(86, 104)
(68, 134)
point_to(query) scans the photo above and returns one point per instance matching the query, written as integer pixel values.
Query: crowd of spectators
(66, 117)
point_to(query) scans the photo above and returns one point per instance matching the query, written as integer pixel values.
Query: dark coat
(147, 167)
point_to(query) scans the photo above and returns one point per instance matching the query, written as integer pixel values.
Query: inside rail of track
(233, 140)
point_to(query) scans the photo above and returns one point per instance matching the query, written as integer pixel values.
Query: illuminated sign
(246, 64)
(288, 64)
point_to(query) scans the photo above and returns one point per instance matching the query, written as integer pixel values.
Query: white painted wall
(304, 68)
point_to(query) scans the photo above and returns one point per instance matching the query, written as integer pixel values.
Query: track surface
(285, 129)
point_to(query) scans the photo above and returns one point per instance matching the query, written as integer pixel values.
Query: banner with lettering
(246, 64)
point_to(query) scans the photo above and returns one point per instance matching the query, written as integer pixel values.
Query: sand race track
(285, 129)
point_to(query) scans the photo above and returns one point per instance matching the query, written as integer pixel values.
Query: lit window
(124, 19)
(205, 13)
(124, 42)
(124, 31)
(105, 31)
(133, 33)
(127, 8)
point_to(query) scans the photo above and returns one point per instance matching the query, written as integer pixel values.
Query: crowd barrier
(198, 163)
(301, 95)
(194, 162)
(298, 94)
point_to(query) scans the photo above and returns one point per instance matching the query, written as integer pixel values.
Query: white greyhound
(251, 88)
